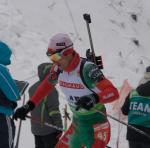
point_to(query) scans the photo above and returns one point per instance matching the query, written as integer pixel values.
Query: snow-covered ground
(120, 31)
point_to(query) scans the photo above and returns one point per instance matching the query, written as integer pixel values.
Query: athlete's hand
(21, 112)
(87, 102)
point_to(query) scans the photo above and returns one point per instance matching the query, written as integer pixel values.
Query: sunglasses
(48, 53)
(59, 55)
(56, 57)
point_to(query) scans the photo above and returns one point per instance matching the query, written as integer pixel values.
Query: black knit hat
(43, 70)
(148, 69)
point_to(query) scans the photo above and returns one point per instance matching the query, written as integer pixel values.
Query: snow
(27, 26)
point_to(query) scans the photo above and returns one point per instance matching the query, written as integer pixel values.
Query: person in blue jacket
(9, 93)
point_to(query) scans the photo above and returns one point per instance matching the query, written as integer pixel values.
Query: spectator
(9, 93)
(137, 108)
(46, 112)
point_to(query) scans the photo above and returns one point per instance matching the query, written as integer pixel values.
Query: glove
(87, 102)
(14, 104)
(23, 111)
(54, 72)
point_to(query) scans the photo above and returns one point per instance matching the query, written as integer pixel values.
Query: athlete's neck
(74, 63)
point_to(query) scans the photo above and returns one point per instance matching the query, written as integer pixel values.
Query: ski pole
(46, 124)
(130, 126)
(66, 116)
(22, 92)
(19, 129)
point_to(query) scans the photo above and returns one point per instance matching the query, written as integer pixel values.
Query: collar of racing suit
(74, 63)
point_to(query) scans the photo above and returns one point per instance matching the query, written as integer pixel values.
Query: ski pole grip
(87, 17)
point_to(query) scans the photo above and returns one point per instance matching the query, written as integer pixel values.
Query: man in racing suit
(83, 99)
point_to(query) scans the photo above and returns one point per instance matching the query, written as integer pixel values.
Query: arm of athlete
(44, 88)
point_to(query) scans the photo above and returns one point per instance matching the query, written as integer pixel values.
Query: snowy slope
(27, 25)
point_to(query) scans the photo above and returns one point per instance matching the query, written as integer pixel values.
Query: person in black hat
(46, 112)
(137, 108)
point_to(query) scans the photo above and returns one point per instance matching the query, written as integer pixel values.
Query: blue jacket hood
(5, 54)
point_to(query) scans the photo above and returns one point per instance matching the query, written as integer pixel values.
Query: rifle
(91, 54)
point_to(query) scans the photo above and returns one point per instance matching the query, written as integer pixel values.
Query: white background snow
(27, 25)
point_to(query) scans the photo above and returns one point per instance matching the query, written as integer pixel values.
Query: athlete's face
(61, 59)
(65, 61)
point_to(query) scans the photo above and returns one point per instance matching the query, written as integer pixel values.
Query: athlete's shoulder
(92, 71)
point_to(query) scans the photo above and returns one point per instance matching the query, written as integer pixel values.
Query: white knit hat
(59, 42)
